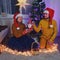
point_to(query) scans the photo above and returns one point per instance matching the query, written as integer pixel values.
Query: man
(48, 27)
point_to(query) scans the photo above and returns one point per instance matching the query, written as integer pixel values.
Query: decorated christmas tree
(37, 10)
(36, 14)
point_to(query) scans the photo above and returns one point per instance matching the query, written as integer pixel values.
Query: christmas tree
(37, 10)
(36, 14)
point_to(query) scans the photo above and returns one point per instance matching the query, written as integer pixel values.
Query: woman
(20, 41)
(48, 27)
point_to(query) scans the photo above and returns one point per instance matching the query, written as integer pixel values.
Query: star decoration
(22, 3)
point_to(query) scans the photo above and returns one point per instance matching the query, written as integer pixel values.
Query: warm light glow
(22, 3)
(53, 49)
(29, 53)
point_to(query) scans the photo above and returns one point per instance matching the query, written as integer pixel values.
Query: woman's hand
(25, 31)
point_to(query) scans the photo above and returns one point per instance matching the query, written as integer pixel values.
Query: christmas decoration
(22, 4)
(29, 53)
(36, 14)
(37, 10)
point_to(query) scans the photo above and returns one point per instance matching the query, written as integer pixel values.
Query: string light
(29, 53)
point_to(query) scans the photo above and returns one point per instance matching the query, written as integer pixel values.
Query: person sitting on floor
(20, 41)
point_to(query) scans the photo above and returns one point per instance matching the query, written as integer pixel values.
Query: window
(5, 6)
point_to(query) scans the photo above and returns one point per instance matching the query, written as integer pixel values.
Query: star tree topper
(22, 4)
